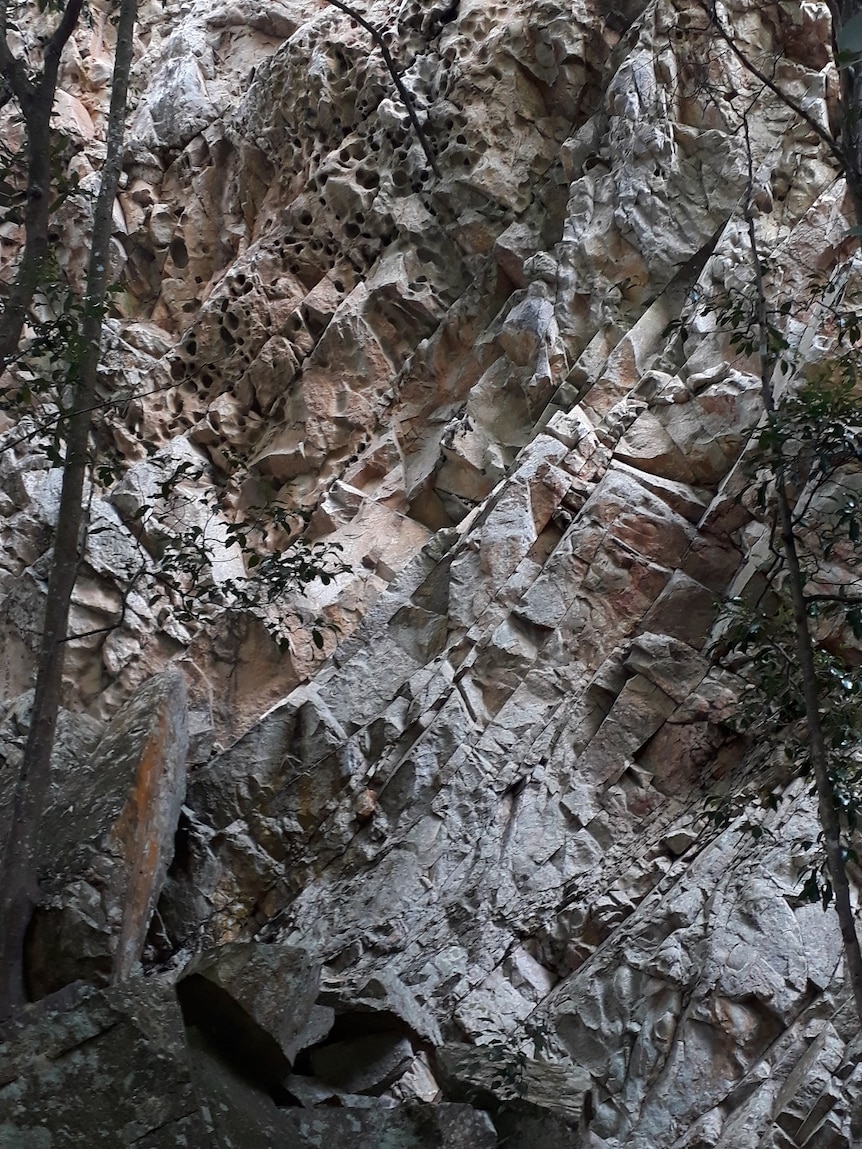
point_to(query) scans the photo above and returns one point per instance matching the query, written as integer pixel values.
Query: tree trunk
(36, 217)
(20, 868)
(36, 101)
(850, 138)
(847, 150)
(830, 821)
(828, 814)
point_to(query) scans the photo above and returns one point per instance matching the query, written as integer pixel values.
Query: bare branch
(826, 137)
(403, 91)
(68, 22)
(124, 604)
(843, 599)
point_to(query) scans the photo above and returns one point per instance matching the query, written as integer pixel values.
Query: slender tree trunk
(851, 134)
(20, 868)
(36, 101)
(830, 821)
(851, 148)
(36, 216)
(850, 131)
(847, 150)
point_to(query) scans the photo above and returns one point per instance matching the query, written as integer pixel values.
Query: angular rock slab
(112, 1071)
(252, 1001)
(413, 1126)
(107, 840)
(534, 1104)
(118, 1070)
(383, 995)
(244, 1117)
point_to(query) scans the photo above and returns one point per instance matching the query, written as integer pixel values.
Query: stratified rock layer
(482, 813)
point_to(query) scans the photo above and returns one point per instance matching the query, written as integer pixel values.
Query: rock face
(107, 835)
(479, 811)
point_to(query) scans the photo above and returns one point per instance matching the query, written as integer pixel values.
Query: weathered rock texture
(482, 813)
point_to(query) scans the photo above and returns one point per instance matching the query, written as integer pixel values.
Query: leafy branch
(799, 688)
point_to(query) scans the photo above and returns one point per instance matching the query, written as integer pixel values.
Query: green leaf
(811, 890)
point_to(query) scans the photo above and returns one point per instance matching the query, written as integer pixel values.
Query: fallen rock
(252, 1001)
(112, 1071)
(106, 841)
(363, 1065)
(533, 1103)
(117, 1070)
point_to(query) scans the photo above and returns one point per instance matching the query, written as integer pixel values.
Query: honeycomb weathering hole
(179, 252)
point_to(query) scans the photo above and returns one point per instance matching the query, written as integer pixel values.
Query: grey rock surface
(111, 1071)
(481, 810)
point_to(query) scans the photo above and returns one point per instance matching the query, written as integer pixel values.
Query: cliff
(465, 845)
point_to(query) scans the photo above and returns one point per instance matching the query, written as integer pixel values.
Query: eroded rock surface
(480, 810)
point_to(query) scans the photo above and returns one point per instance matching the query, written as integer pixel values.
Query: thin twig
(403, 91)
(826, 137)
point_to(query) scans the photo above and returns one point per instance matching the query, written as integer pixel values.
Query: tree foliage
(51, 355)
(796, 643)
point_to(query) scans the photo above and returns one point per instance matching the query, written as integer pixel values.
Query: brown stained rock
(637, 713)
(639, 518)
(146, 826)
(680, 757)
(365, 804)
(685, 610)
(672, 665)
(648, 447)
(107, 840)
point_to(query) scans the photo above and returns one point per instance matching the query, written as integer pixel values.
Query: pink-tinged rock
(107, 841)
(647, 446)
(682, 498)
(680, 757)
(685, 610)
(638, 712)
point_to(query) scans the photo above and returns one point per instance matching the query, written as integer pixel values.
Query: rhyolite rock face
(479, 812)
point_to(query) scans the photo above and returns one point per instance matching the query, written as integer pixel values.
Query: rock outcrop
(468, 838)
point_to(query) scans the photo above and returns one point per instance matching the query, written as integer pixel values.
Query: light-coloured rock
(480, 808)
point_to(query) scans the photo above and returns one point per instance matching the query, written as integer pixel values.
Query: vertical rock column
(107, 841)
